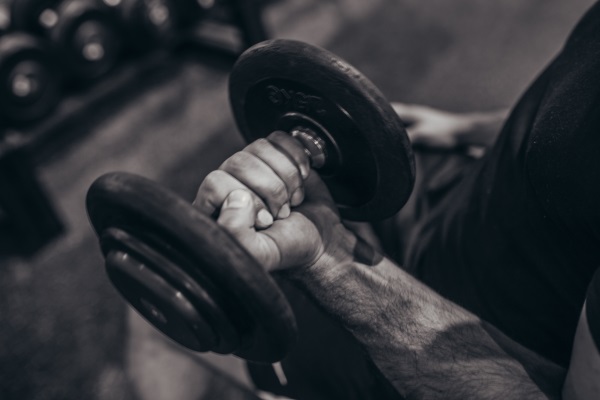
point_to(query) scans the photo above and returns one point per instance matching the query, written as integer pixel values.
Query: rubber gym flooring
(62, 329)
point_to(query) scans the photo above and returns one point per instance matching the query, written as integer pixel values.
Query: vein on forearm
(425, 345)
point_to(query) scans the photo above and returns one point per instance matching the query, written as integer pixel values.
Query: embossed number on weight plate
(298, 101)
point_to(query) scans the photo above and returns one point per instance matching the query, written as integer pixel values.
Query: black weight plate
(136, 205)
(81, 22)
(212, 328)
(159, 302)
(144, 29)
(32, 59)
(279, 84)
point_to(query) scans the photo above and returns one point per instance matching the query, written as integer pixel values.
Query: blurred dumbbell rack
(224, 32)
(48, 137)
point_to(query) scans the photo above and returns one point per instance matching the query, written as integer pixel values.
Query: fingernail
(237, 199)
(297, 197)
(264, 218)
(304, 172)
(284, 212)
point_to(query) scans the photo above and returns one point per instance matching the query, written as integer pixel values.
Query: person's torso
(518, 240)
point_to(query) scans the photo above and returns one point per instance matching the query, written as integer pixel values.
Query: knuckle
(207, 185)
(292, 178)
(258, 203)
(213, 181)
(279, 161)
(263, 151)
(276, 135)
(207, 196)
(282, 139)
(279, 192)
(230, 223)
(236, 162)
(258, 145)
(205, 205)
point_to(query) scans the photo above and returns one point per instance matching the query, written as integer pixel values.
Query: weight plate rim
(151, 282)
(251, 69)
(210, 310)
(140, 35)
(145, 199)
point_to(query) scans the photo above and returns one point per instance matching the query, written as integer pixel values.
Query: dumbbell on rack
(247, 14)
(192, 11)
(30, 81)
(191, 279)
(153, 23)
(231, 26)
(84, 32)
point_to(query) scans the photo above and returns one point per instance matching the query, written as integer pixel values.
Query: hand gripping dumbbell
(30, 81)
(84, 31)
(190, 278)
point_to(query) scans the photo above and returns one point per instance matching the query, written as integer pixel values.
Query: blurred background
(91, 86)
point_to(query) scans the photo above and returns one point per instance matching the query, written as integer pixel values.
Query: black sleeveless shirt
(518, 239)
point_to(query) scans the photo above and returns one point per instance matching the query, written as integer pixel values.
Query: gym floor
(63, 330)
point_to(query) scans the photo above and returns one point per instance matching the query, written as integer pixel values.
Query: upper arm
(583, 377)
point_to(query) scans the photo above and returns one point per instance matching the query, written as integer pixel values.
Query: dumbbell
(188, 276)
(30, 81)
(84, 31)
(248, 16)
(153, 23)
(243, 15)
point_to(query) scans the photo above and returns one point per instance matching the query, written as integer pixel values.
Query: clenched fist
(279, 209)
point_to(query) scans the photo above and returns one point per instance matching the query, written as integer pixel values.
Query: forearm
(428, 347)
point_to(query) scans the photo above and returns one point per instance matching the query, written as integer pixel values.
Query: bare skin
(432, 128)
(425, 345)
(428, 347)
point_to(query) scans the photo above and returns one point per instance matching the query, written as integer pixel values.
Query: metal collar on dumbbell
(314, 146)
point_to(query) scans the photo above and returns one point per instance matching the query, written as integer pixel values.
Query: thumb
(238, 216)
(237, 213)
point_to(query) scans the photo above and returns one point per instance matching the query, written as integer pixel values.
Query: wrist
(337, 251)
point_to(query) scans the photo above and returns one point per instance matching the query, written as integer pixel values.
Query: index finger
(293, 149)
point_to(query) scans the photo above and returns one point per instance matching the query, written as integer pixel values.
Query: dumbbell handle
(314, 147)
